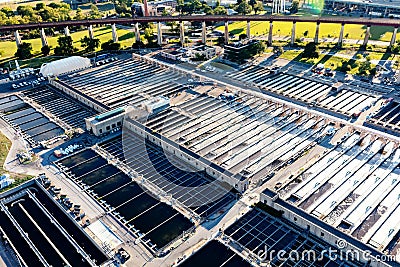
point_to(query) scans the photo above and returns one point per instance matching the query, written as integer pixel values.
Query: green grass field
(332, 61)
(14, 4)
(326, 30)
(126, 38)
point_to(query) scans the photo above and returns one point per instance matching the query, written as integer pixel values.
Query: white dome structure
(64, 65)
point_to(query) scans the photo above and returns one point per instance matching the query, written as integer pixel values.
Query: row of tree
(44, 13)
(195, 6)
(246, 7)
(364, 65)
(65, 47)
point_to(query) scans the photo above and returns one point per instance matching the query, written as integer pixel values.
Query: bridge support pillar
(66, 31)
(316, 33)
(114, 33)
(340, 42)
(159, 34)
(293, 38)
(90, 29)
(271, 28)
(393, 40)
(226, 32)
(17, 38)
(248, 30)
(43, 37)
(182, 33)
(203, 32)
(367, 34)
(137, 32)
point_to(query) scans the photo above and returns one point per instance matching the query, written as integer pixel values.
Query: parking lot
(29, 82)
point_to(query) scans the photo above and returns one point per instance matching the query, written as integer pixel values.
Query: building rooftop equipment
(109, 114)
(156, 104)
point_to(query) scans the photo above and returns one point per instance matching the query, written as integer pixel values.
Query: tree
(173, 26)
(199, 57)
(110, 45)
(220, 10)
(259, 48)
(252, 3)
(89, 43)
(188, 8)
(24, 51)
(395, 49)
(7, 11)
(94, 12)
(365, 68)
(244, 8)
(65, 46)
(79, 15)
(258, 7)
(207, 9)
(25, 11)
(148, 34)
(45, 50)
(310, 51)
(220, 40)
(359, 56)
(294, 8)
(346, 68)
(242, 36)
(251, 50)
(54, 5)
(39, 6)
(137, 45)
(278, 50)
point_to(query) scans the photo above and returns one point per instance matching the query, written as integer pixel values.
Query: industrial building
(176, 150)
(376, 8)
(203, 50)
(353, 187)
(28, 121)
(40, 233)
(337, 99)
(241, 50)
(64, 66)
(387, 118)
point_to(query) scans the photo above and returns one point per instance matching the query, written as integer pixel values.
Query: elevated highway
(199, 18)
(368, 22)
